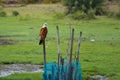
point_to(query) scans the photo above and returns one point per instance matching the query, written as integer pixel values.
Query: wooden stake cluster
(69, 70)
(69, 54)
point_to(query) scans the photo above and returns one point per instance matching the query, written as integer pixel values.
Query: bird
(43, 33)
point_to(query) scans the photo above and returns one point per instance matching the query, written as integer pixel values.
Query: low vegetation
(118, 15)
(15, 13)
(2, 13)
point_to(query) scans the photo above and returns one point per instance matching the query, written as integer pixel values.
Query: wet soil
(6, 42)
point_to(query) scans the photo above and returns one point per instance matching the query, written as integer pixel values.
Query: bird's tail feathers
(40, 42)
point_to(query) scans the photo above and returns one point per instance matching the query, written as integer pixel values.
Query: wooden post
(44, 52)
(71, 45)
(69, 67)
(44, 56)
(77, 57)
(79, 41)
(58, 37)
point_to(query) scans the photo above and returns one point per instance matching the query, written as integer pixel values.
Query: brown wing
(43, 33)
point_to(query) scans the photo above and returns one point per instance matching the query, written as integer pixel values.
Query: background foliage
(88, 7)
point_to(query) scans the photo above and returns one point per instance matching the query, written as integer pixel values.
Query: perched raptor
(43, 33)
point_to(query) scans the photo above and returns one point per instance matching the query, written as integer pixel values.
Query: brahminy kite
(43, 33)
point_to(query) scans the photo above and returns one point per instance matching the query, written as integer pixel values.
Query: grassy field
(19, 40)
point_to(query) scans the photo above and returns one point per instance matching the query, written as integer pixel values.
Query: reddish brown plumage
(42, 34)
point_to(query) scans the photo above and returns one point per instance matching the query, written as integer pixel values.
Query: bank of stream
(8, 69)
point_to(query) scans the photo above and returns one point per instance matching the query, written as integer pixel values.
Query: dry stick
(79, 42)
(58, 52)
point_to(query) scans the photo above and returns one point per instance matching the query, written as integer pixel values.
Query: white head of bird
(44, 25)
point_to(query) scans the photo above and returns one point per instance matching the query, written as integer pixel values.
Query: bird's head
(44, 25)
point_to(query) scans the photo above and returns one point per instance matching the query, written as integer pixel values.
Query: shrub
(101, 11)
(78, 15)
(84, 9)
(91, 14)
(83, 5)
(111, 14)
(2, 14)
(15, 13)
(118, 15)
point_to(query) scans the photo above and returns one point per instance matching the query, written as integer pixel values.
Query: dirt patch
(4, 36)
(6, 42)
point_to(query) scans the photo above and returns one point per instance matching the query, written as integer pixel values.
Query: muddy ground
(6, 42)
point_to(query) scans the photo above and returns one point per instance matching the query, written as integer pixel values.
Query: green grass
(99, 57)
(24, 76)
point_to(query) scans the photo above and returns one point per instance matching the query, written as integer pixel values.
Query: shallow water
(8, 69)
(99, 77)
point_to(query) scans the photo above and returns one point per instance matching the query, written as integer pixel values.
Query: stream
(8, 69)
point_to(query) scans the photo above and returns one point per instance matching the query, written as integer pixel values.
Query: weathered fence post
(58, 37)
(44, 52)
